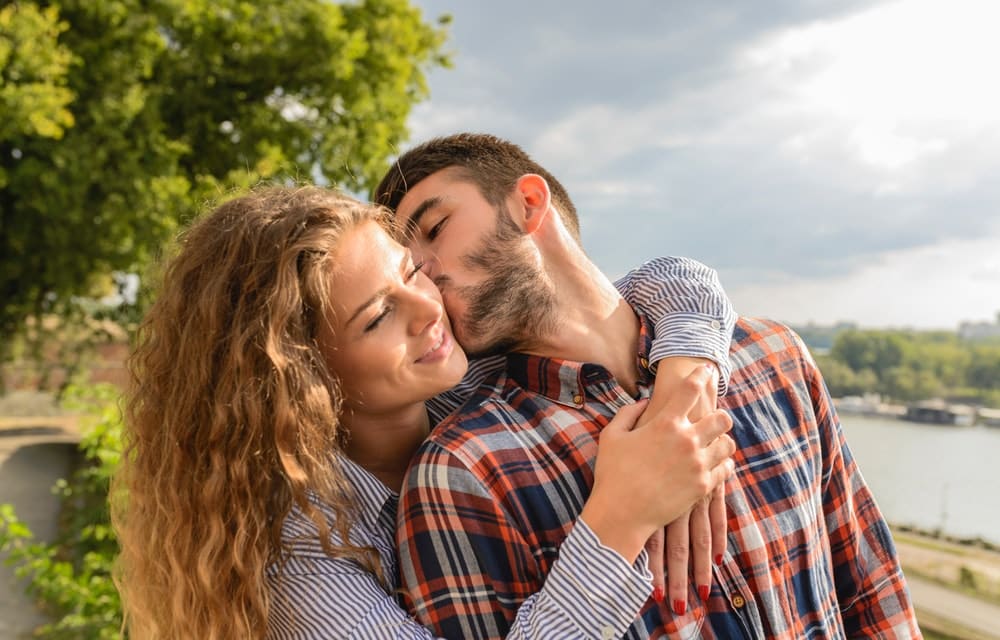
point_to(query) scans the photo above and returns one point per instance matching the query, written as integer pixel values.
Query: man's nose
(430, 264)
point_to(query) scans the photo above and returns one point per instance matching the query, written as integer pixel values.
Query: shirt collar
(376, 502)
(564, 381)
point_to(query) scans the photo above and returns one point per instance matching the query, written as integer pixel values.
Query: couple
(284, 379)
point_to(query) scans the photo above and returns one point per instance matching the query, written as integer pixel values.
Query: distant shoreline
(933, 411)
(974, 542)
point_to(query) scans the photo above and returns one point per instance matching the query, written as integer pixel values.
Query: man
(496, 487)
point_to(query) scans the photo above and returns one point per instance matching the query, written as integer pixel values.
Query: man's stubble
(516, 303)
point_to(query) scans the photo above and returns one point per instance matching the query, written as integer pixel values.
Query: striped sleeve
(457, 554)
(687, 305)
(590, 593)
(335, 598)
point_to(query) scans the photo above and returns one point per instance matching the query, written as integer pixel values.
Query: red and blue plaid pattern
(498, 486)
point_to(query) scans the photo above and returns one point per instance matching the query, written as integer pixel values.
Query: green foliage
(122, 117)
(913, 365)
(33, 69)
(73, 575)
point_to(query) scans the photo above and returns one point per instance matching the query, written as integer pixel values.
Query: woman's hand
(696, 539)
(645, 478)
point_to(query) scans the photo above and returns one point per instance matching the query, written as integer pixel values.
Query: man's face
(486, 268)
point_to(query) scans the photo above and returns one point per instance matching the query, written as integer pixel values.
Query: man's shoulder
(761, 344)
(480, 425)
(761, 337)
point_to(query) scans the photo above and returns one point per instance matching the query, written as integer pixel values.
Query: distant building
(980, 330)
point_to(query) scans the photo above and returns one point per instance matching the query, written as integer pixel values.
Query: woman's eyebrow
(383, 292)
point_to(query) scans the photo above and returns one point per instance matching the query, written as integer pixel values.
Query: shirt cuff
(694, 335)
(594, 585)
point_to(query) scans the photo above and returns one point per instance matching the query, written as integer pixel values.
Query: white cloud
(811, 152)
(900, 78)
(927, 287)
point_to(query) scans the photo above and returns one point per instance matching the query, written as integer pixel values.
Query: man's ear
(533, 192)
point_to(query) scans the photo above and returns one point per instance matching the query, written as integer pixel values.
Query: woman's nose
(427, 309)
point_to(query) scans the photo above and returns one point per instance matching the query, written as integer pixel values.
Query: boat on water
(989, 417)
(940, 412)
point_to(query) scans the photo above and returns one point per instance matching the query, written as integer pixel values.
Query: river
(930, 476)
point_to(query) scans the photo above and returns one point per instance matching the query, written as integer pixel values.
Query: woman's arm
(692, 315)
(591, 590)
(693, 322)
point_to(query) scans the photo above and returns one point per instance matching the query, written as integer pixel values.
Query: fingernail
(680, 607)
(703, 592)
(718, 559)
(658, 594)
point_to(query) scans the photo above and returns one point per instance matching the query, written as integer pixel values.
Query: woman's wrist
(615, 530)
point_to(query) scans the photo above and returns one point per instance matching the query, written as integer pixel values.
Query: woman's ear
(533, 192)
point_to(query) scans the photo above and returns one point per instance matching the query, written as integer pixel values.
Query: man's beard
(515, 304)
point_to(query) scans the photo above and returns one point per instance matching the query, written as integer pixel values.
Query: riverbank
(933, 411)
(972, 567)
(955, 585)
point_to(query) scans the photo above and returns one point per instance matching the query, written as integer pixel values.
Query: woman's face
(387, 337)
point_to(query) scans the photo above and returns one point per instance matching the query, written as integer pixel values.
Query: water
(931, 476)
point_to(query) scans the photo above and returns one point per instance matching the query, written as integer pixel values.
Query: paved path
(945, 604)
(32, 457)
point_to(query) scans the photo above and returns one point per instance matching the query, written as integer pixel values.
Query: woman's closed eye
(388, 308)
(416, 269)
(377, 320)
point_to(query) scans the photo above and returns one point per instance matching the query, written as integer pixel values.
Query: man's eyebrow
(414, 220)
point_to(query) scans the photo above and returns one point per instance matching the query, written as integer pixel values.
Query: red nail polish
(718, 559)
(680, 607)
(658, 594)
(703, 592)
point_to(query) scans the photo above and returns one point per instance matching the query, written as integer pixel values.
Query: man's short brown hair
(491, 163)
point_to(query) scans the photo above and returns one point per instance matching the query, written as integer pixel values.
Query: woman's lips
(440, 350)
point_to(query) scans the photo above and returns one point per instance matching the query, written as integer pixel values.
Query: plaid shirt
(497, 487)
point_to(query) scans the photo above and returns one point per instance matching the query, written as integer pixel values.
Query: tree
(879, 351)
(122, 117)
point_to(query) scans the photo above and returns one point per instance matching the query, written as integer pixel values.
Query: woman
(255, 451)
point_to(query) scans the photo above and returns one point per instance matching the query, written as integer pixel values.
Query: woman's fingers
(678, 533)
(717, 518)
(626, 418)
(701, 548)
(654, 549)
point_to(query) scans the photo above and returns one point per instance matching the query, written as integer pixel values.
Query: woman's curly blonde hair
(232, 416)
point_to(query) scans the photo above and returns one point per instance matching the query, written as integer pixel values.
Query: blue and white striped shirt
(591, 591)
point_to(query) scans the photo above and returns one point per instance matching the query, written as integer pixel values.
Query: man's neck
(592, 323)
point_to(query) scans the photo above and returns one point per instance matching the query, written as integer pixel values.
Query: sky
(834, 160)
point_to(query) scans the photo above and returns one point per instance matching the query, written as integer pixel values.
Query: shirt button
(644, 362)
(578, 399)
(715, 324)
(608, 633)
(738, 601)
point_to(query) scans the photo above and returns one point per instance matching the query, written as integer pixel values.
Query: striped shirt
(496, 489)
(590, 592)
